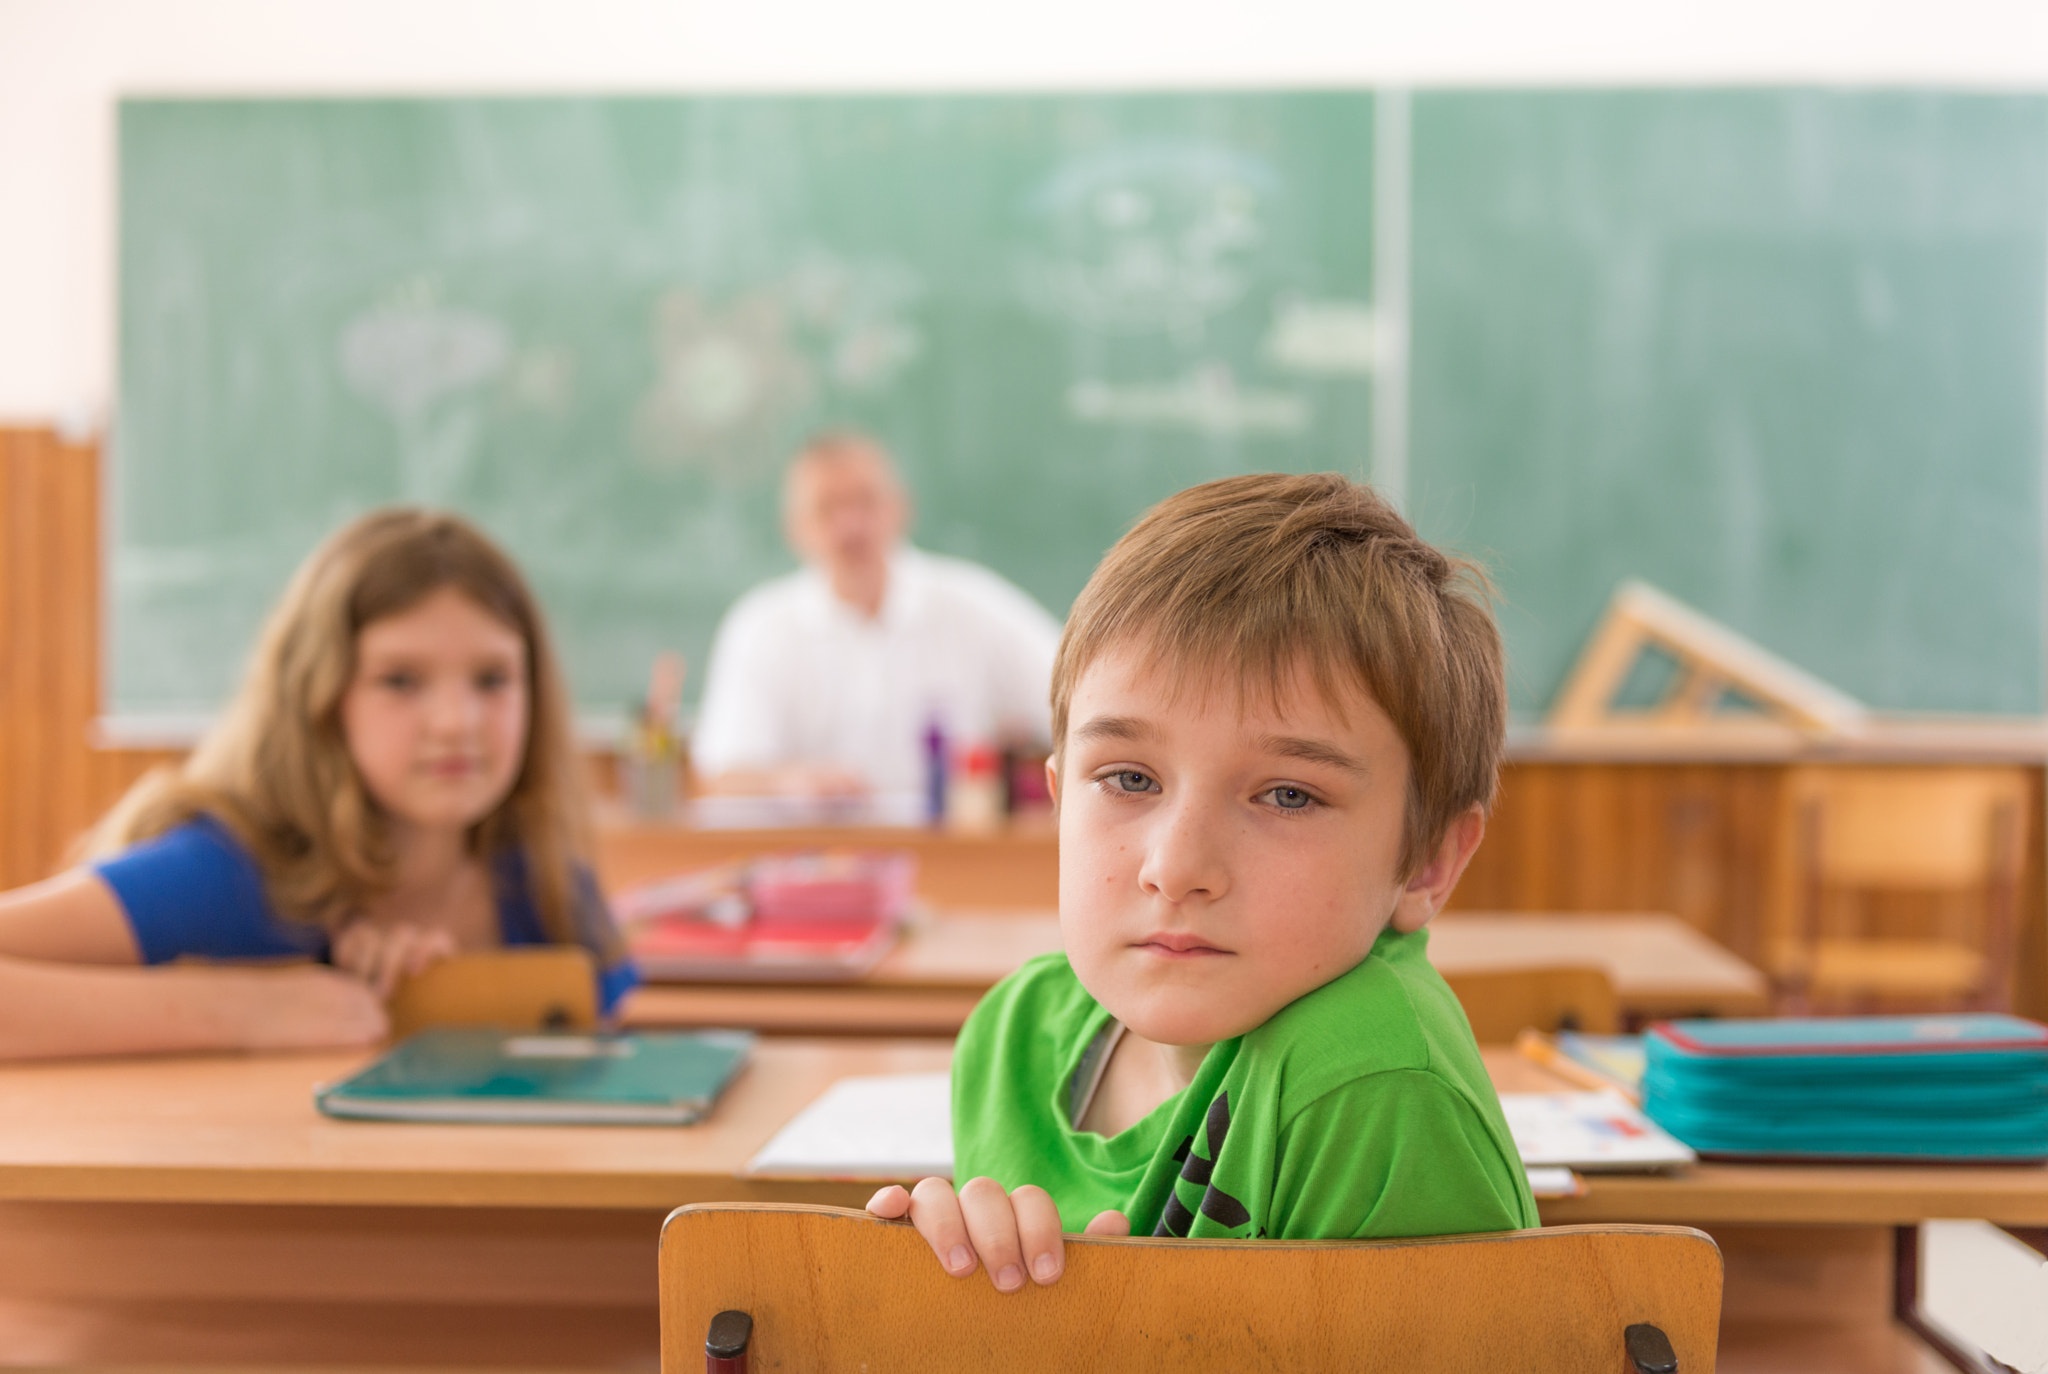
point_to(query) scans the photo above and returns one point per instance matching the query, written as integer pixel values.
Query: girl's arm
(70, 985)
(51, 1011)
(73, 918)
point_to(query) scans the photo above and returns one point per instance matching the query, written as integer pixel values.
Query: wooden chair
(531, 987)
(1501, 1003)
(1860, 835)
(830, 1289)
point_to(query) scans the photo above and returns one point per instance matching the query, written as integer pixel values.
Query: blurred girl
(394, 782)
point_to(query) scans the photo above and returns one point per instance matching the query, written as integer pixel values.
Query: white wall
(63, 63)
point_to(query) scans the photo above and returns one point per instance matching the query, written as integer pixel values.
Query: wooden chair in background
(533, 987)
(1858, 835)
(831, 1289)
(1502, 1003)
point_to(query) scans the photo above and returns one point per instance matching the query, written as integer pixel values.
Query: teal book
(465, 1075)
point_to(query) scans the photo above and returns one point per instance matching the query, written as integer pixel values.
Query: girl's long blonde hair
(276, 769)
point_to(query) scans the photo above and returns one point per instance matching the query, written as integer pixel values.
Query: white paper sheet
(889, 1127)
(1589, 1132)
(885, 1127)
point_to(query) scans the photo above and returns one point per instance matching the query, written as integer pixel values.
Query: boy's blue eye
(1290, 798)
(1130, 780)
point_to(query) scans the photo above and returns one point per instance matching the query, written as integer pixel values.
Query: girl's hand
(385, 955)
(306, 1008)
(1009, 1233)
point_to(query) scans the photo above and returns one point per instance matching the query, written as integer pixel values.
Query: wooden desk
(1580, 826)
(194, 1210)
(1660, 966)
(925, 986)
(1014, 868)
(222, 1130)
(243, 1129)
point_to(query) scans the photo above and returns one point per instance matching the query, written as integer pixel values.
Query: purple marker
(935, 772)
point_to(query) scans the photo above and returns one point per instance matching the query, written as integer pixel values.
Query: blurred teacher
(825, 682)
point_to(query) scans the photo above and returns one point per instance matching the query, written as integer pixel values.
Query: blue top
(194, 890)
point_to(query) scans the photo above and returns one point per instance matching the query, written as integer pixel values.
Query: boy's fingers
(1038, 1233)
(992, 1231)
(935, 1212)
(890, 1203)
(1110, 1223)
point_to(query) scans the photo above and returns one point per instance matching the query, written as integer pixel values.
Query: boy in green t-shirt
(1277, 722)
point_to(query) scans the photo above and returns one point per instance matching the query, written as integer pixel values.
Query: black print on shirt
(1217, 1205)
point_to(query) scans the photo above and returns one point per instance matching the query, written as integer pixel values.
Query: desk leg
(1907, 1265)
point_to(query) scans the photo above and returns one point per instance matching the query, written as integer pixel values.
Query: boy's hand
(385, 955)
(1008, 1233)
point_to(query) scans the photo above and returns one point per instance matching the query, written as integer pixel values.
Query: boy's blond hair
(276, 769)
(1250, 575)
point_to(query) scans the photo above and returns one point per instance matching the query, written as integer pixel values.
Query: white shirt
(797, 676)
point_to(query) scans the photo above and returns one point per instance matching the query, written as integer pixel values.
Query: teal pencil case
(1960, 1088)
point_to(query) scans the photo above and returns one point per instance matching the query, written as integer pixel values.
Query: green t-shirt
(1360, 1109)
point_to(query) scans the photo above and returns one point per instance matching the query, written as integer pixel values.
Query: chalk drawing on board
(542, 378)
(1331, 338)
(726, 381)
(1207, 399)
(1154, 239)
(859, 315)
(419, 362)
(732, 378)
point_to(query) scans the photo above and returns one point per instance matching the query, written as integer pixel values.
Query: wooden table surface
(1660, 965)
(183, 1211)
(1015, 868)
(243, 1129)
(927, 985)
(230, 1129)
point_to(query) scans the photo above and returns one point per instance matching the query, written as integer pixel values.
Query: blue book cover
(466, 1074)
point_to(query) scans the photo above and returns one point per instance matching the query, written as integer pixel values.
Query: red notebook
(781, 918)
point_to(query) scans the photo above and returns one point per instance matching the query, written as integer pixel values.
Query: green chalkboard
(599, 326)
(1779, 353)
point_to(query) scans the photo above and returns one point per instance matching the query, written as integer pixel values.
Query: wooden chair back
(1501, 1003)
(1926, 829)
(831, 1289)
(1930, 832)
(529, 987)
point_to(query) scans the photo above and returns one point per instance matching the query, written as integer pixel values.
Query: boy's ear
(1052, 779)
(1430, 886)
